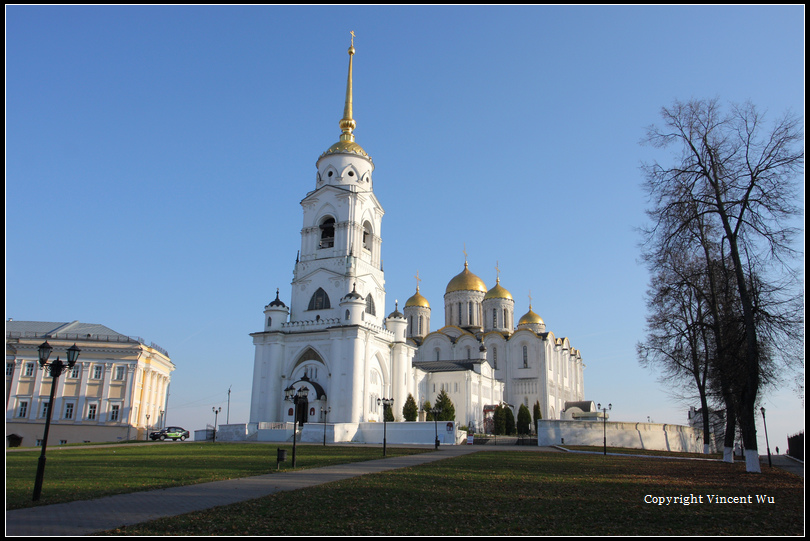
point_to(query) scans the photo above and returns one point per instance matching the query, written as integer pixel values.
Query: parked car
(170, 432)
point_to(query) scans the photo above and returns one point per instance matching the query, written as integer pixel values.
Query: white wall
(661, 437)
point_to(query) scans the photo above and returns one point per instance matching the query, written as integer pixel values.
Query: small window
(495, 358)
(370, 305)
(114, 412)
(525, 357)
(9, 369)
(29, 369)
(23, 410)
(74, 372)
(45, 407)
(69, 410)
(98, 371)
(319, 300)
(91, 411)
(120, 372)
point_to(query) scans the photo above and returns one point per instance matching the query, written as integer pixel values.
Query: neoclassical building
(116, 391)
(334, 340)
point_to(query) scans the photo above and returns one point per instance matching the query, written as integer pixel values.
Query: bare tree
(736, 177)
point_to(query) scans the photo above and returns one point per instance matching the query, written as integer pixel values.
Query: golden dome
(498, 292)
(417, 300)
(466, 281)
(531, 318)
(346, 147)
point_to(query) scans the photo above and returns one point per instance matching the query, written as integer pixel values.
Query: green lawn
(517, 493)
(73, 474)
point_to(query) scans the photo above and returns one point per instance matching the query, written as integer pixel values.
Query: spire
(346, 144)
(347, 123)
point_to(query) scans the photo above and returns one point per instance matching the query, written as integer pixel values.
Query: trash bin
(281, 456)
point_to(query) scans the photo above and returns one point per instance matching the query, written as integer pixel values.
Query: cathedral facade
(334, 341)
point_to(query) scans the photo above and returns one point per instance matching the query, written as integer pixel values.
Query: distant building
(116, 391)
(717, 425)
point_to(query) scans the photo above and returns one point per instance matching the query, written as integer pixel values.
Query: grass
(515, 493)
(78, 474)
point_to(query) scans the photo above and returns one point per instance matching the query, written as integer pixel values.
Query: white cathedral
(333, 339)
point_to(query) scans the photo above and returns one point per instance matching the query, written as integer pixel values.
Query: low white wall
(236, 432)
(661, 437)
(395, 433)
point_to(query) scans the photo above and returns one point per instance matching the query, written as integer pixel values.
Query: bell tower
(340, 237)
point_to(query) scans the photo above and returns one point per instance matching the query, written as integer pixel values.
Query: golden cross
(465, 252)
(530, 299)
(352, 33)
(417, 280)
(497, 270)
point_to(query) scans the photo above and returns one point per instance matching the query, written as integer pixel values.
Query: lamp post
(768, 445)
(55, 369)
(386, 403)
(435, 412)
(216, 412)
(147, 427)
(324, 412)
(604, 423)
(296, 397)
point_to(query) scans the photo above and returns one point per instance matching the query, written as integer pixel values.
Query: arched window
(420, 325)
(347, 314)
(525, 357)
(494, 318)
(327, 233)
(437, 354)
(269, 321)
(505, 318)
(495, 358)
(370, 305)
(319, 300)
(367, 236)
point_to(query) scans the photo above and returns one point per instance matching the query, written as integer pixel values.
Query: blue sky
(157, 157)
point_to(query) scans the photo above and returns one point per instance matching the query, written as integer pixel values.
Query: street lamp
(324, 412)
(386, 403)
(216, 412)
(147, 427)
(55, 369)
(768, 445)
(296, 397)
(604, 423)
(435, 412)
